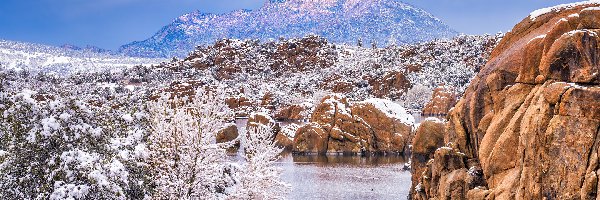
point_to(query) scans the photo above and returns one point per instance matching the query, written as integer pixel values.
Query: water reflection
(337, 160)
(345, 177)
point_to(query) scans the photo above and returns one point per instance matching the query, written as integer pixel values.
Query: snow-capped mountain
(42, 58)
(380, 22)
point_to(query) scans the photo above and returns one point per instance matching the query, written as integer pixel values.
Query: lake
(345, 177)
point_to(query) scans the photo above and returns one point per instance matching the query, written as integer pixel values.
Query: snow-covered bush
(416, 97)
(57, 148)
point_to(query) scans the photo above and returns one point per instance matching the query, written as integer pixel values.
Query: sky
(111, 23)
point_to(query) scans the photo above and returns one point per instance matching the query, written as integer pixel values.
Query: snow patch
(127, 118)
(392, 110)
(538, 37)
(591, 8)
(535, 14)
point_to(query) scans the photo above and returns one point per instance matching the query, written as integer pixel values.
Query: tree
(186, 163)
(259, 178)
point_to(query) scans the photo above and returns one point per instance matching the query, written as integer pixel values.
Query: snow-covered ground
(42, 58)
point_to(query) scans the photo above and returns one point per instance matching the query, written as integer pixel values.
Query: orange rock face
(237, 102)
(228, 134)
(442, 100)
(428, 137)
(293, 112)
(340, 127)
(529, 123)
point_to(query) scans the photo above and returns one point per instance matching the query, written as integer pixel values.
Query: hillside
(33, 57)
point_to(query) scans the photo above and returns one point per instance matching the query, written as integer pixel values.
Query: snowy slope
(340, 21)
(42, 58)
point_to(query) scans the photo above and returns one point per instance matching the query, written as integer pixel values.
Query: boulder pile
(371, 126)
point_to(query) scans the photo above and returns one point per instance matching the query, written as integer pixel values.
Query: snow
(117, 169)
(591, 8)
(49, 124)
(573, 32)
(127, 117)
(69, 191)
(141, 151)
(392, 110)
(130, 87)
(535, 14)
(99, 177)
(41, 58)
(561, 20)
(64, 116)
(537, 37)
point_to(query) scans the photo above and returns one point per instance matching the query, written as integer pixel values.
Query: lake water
(345, 177)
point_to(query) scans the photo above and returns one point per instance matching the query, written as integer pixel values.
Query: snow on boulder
(539, 12)
(392, 110)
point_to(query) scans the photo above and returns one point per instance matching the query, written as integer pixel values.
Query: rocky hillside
(528, 125)
(381, 22)
(276, 75)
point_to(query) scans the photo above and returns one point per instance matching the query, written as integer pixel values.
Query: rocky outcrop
(392, 85)
(227, 134)
(293, 112)
(236, 102)
(428, 137)
(337, 126)
(268, 101)
(229, 57)
(529, 123)
(180, 89)
(442, 100)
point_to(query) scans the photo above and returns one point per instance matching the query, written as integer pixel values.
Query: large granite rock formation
(337, 126)
(442, 100)
(428, 137)
(528, 126)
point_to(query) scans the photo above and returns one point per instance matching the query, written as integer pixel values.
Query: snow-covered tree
(258, 177)
(186, 162)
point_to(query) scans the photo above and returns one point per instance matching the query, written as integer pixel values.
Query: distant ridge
(340, 21)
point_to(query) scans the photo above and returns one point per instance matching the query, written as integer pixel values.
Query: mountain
(62, 60)
(340, 21)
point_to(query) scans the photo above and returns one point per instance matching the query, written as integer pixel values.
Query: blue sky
(111, 23)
